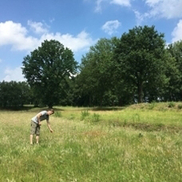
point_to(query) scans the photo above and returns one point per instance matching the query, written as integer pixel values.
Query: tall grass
(105, 146)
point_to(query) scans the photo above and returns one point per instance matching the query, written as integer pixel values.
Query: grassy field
(139, 143)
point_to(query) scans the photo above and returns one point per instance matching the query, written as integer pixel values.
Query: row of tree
(14, 94)
(138, 67)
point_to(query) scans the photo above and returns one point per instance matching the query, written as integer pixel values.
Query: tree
(46, 68)
(140, 61)
(174, 87)
(95, 78)
(14, 94)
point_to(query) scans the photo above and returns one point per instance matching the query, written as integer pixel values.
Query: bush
(180, 106)
(171, 104)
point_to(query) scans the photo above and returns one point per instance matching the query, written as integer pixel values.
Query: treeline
(14, 94)
(138, 67)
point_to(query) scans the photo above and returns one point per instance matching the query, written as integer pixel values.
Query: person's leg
(31, 139)
(37, 133)
(32, 131)
(37, 139)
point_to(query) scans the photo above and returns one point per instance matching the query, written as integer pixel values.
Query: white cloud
(152, 2)
(13, 74)
(177, 32)
(168, 9)
(98, 5)
(121, 2)
(139, 17)
(111, 26)
(37, 27)
(165, 8)
(79, 42)
(116, 2)
(15, 35)
(19, 38)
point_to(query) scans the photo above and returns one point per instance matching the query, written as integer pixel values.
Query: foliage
(174, 88)
(14, 94)
(171, 104)
(138, 67)
(95, 78)
(140, 61)
(46, 70)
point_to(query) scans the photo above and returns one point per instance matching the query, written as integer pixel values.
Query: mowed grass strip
(92, 146)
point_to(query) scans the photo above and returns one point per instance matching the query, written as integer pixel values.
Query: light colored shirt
(44, 116)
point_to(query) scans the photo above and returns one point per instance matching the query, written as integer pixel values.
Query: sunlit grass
(96, 146)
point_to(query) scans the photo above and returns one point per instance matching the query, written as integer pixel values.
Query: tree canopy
(95, 78)
(46, 68)
(137, 67)
(140, 59)
(14, 94)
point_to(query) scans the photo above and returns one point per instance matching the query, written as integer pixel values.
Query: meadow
(138, 143)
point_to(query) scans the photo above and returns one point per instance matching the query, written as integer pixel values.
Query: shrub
(180, 106)
(171, 104)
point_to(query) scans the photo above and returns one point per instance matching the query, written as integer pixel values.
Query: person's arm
(38, 118)
(49, 126)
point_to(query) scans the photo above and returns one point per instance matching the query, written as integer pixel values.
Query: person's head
(50, 111)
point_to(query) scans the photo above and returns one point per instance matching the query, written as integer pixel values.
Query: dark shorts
(35, 129)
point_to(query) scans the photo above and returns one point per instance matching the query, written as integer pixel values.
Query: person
(36, 124)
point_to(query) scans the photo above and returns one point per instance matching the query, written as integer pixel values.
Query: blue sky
(77, 24)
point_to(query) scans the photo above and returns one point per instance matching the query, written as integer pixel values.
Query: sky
(77, 24)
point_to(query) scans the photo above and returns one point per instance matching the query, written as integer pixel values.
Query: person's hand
(39, 124)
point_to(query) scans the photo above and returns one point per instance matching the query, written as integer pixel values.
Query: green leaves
(96, 70)
(139, 55)
(46, 68)
(14, 94)
(138, 67)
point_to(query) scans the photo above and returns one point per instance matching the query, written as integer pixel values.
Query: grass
(133, 144)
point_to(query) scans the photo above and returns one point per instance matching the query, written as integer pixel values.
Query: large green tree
(174, 88)
(95, 78)
(46, 68)
(140, 61)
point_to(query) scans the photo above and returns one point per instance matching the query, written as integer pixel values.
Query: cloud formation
(121, 2)
(13, 74)
(125, 3)
(177, 32)
(165, 8)
(77, 43)
(37, 27)
(20, 39)
(15, 35)
(111, 26)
